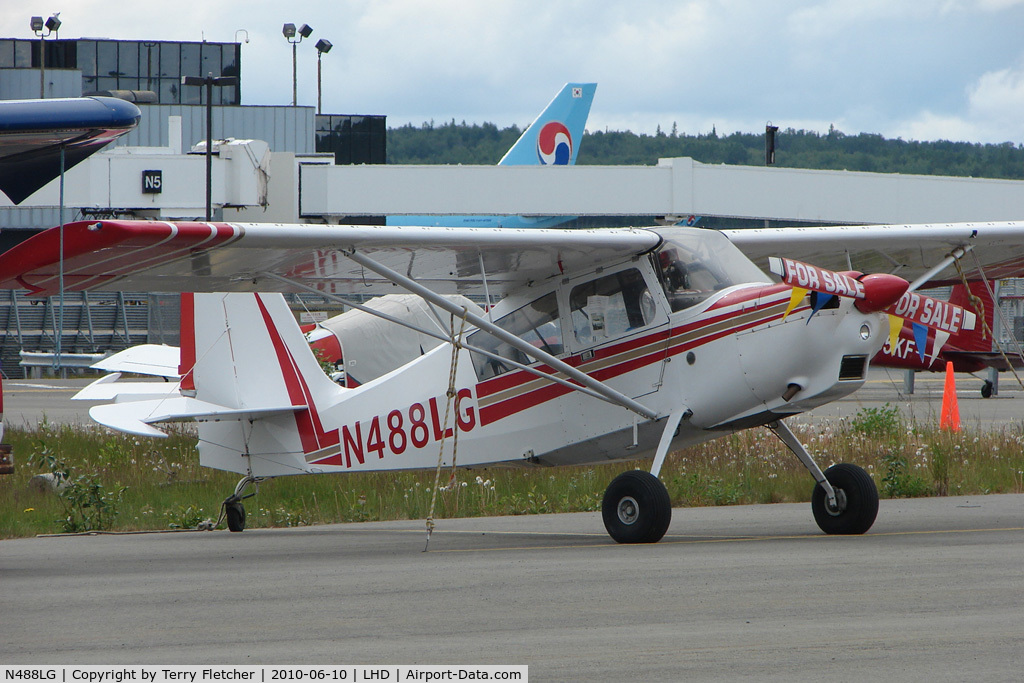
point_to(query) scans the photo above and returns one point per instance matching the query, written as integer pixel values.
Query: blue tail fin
(554, 136)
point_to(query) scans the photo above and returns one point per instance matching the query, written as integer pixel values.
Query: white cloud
(995, 103)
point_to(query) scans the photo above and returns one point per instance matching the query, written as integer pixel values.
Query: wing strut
(515, 342)
(953, 257)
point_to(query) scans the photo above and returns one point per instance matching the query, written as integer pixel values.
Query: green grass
(164, 487)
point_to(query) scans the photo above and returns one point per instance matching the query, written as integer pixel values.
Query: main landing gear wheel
(856, 501)
(234, 512)
(986, 389)
(636, 508)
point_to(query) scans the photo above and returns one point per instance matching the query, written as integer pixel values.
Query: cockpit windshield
(693, 264)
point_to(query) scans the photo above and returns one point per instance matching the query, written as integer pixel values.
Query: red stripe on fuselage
(311, 431)
(676, 344)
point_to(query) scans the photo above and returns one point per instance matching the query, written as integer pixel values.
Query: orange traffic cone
(950, 418)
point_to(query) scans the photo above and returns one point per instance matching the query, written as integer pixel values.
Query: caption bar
(262, 674)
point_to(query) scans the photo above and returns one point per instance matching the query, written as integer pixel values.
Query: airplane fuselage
(735, 359)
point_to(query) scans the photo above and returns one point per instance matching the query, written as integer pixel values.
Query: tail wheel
(636, 508)
(856, 501)
(234, 512)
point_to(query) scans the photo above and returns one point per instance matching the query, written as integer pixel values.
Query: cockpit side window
(610, 305)
(687, 280)
(694, 264)
(536, 323)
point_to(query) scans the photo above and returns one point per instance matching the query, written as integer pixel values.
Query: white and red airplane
(608, 344)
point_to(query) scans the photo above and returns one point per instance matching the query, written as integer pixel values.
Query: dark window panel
(6, 54)
(23, 54)
(106, 59)
(227, 95)
(192, 94)
(128, 59)
(169, 90)
(170, 61)
(211, 59)
(87, 58)
(190, 61)
(230, 58)
(60, 54)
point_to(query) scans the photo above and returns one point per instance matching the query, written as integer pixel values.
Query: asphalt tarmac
(934, 592)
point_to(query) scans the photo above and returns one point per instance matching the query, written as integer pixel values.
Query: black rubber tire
(235, 515)
(645, 505)
(854, 485)
(986, 389)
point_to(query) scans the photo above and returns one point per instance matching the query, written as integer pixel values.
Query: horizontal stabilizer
(108, 388)
(136, 417)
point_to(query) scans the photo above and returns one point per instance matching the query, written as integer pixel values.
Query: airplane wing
(32, 133)
(909, 251)
(227, 257)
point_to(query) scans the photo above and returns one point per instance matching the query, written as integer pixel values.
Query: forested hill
(453, 143)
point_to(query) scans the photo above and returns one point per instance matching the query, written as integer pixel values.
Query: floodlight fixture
(52, 24)
(323, 46)
(295, 37)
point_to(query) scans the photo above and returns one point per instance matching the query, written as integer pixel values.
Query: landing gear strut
(636, 508)
(234, 511)
(845, 499)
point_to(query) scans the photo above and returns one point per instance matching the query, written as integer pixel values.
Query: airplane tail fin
(250, 380)
(976, 339)
(554, 136)
(251, 357)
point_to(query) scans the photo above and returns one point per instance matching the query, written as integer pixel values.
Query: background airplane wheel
(235, 514)
(636, 508)
(986, 389)
(857, 498)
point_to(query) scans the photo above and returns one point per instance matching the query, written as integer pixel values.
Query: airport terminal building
(148, 73)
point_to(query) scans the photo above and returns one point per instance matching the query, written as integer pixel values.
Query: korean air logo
(554, 144)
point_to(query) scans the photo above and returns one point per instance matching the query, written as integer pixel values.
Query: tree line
(462, 143)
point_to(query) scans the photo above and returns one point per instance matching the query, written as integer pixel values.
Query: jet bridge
(675, 187)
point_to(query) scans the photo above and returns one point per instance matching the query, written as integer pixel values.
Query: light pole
(289, 31)
(52, 25)
(209, 81)
(323, 46)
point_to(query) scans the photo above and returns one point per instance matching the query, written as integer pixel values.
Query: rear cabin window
(610, 306)
(536, 323)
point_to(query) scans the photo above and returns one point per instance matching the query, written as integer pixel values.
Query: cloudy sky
(916, 69)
